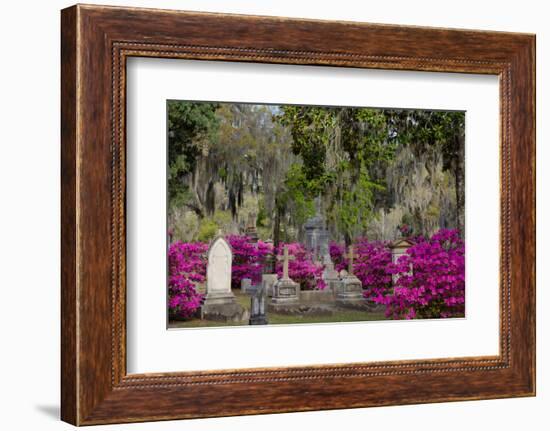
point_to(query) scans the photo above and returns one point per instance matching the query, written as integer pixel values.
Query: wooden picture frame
(95, 43)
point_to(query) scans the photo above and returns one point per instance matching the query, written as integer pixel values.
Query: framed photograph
(331, 214)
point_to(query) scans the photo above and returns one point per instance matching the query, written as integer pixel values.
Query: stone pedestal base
(330, 277)
(257, 307)
(349, 292)
(222, 308)
(374, 307)
(269, 280)
(286, 294)
(258, 320)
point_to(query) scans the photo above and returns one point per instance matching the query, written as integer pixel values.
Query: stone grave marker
(257, 306)
(285, 291)
(251, 230)
(399, 248)
(330, 275)
(269, 280)
(349, 290)
(246, 285)
(220, 303)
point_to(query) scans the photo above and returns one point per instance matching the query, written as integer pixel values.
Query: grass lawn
(276, 318)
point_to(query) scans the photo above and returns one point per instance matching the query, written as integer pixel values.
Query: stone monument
(250, 230)
(317, 235)
(246, 285)
(285, 291)
(220, 303)
(257, 306)
(330, 275)
(269, 260)
(399, 248)
(269, 280)
(349, 290)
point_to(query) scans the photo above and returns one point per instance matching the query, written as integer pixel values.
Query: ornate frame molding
(96, 41)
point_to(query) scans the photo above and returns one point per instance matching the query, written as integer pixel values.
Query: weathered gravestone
(246, 285)
(349, 290)
(220, 303)
(330, 275)
(250, 230)
(257, 306)
(269, 280)
(285, 291)
(399, 248)
(317, 235)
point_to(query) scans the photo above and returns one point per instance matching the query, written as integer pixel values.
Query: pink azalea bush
(370, 265)
(337, 252)
(430, 279)
(248, 259)
(187, 264)
(187, 267)
(301, 269)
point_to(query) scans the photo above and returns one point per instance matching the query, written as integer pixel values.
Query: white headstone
(218, 274)
(219, 303)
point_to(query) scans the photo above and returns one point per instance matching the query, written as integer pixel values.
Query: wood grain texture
(69, 397)
(96, 41)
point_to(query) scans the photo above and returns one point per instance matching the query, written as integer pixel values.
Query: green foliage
(435, 134)
(310, 129)
(191, 126)
(207, 230)
(297, 194)
(183, 224)
(344, 152)
(355, 207)
(229, 160)
(262, 218)
(433, 131)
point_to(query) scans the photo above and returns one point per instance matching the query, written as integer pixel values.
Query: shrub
(430, 279)
(248, 259)
(186, 266)
(371, 267)
(337, 252)
(207, 230)
(301, 269)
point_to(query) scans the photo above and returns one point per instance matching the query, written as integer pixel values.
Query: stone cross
(350, 257)
(286, 258)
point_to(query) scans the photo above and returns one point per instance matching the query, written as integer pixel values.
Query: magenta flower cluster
(187, 264)
(249, 259)
(370, 266)
(301, 268)
(430, 279)
(186, 268)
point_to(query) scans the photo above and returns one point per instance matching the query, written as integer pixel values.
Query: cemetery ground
(281, 318)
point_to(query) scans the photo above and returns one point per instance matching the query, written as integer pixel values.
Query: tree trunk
(198, 205)
(198, 211)
(459, 185)
(276, 235)
(348, 240)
